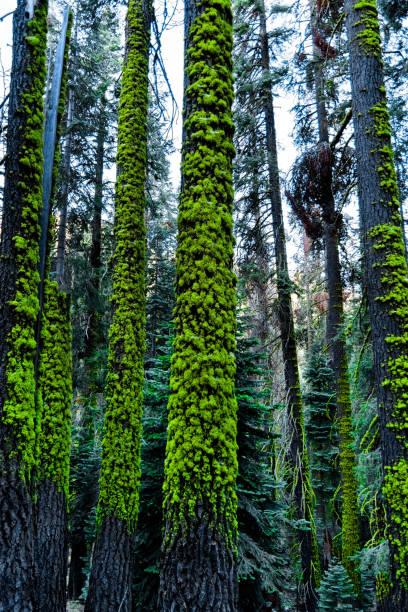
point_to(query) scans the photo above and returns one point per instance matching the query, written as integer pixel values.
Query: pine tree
(199, 547)
(385, 276)
(336, 590)
(110, 581)
(19, 305)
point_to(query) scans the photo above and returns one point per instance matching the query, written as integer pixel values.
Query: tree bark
(51, 547)
(94, 318)
(79, 552)
(110, 586)
(386, 279)
(298, 458)
(19, 305)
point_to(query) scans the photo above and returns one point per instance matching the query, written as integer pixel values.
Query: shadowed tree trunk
(198, 554)
(334, 321)
(19, 305)
(297, 456)
(386, 280)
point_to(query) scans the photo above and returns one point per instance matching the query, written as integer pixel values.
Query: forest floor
(74, 606)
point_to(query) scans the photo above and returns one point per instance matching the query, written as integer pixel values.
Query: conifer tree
(19, 305)
(110, 580)
(336, 590)
(199, 548)
(385, 278)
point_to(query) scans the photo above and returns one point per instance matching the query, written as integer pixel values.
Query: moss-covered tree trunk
(386, 279)
(54, 376)
(297, 456)
(110, 580)
(334, 321)
(199, 547)
(19, 254)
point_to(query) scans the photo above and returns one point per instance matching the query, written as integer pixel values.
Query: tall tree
(54, 384)
(199, 547)
(110, 580)
(297, 456)
(19, 304)
(385, 277)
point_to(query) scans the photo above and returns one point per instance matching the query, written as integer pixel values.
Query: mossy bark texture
(19, 305)
(54, 384)
(298, 464)
(198, 558)
(386, 279)
(55, 391)
(110, 581)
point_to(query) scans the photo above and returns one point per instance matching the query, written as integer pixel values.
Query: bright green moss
(386, 243)
(201, 462)
(19, 412)
(369, 37)
(120, 470)
(350, 512)
(371, 437)
(55, 388)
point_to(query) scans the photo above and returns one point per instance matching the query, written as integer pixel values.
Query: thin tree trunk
(386, 279)
(63, 203)
(110, 580)
(19, 305)
(298, 457)
(334, 332)
(198, 555)
(94, 318)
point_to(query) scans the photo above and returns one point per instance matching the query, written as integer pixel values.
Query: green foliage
(322, 436)
(19, 411)
(336, 590)
(201, 462)
(120, 471)
(55, 387)
(263, 565)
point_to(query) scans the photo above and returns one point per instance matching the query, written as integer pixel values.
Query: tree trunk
(198, 555)
(94, 318)
(63, 203)
(79, 552)
(298, 458)
(19, 305)
(51, 547)
(386, 279)
(109, 587)
(334, 321)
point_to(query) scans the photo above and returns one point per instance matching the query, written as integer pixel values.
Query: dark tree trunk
(386, 279)
(51, 547)
(197, 574)
(79, 553)
(18, 288)
(94, 316)
(334, 321)
(298, 458)
(110, 588)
